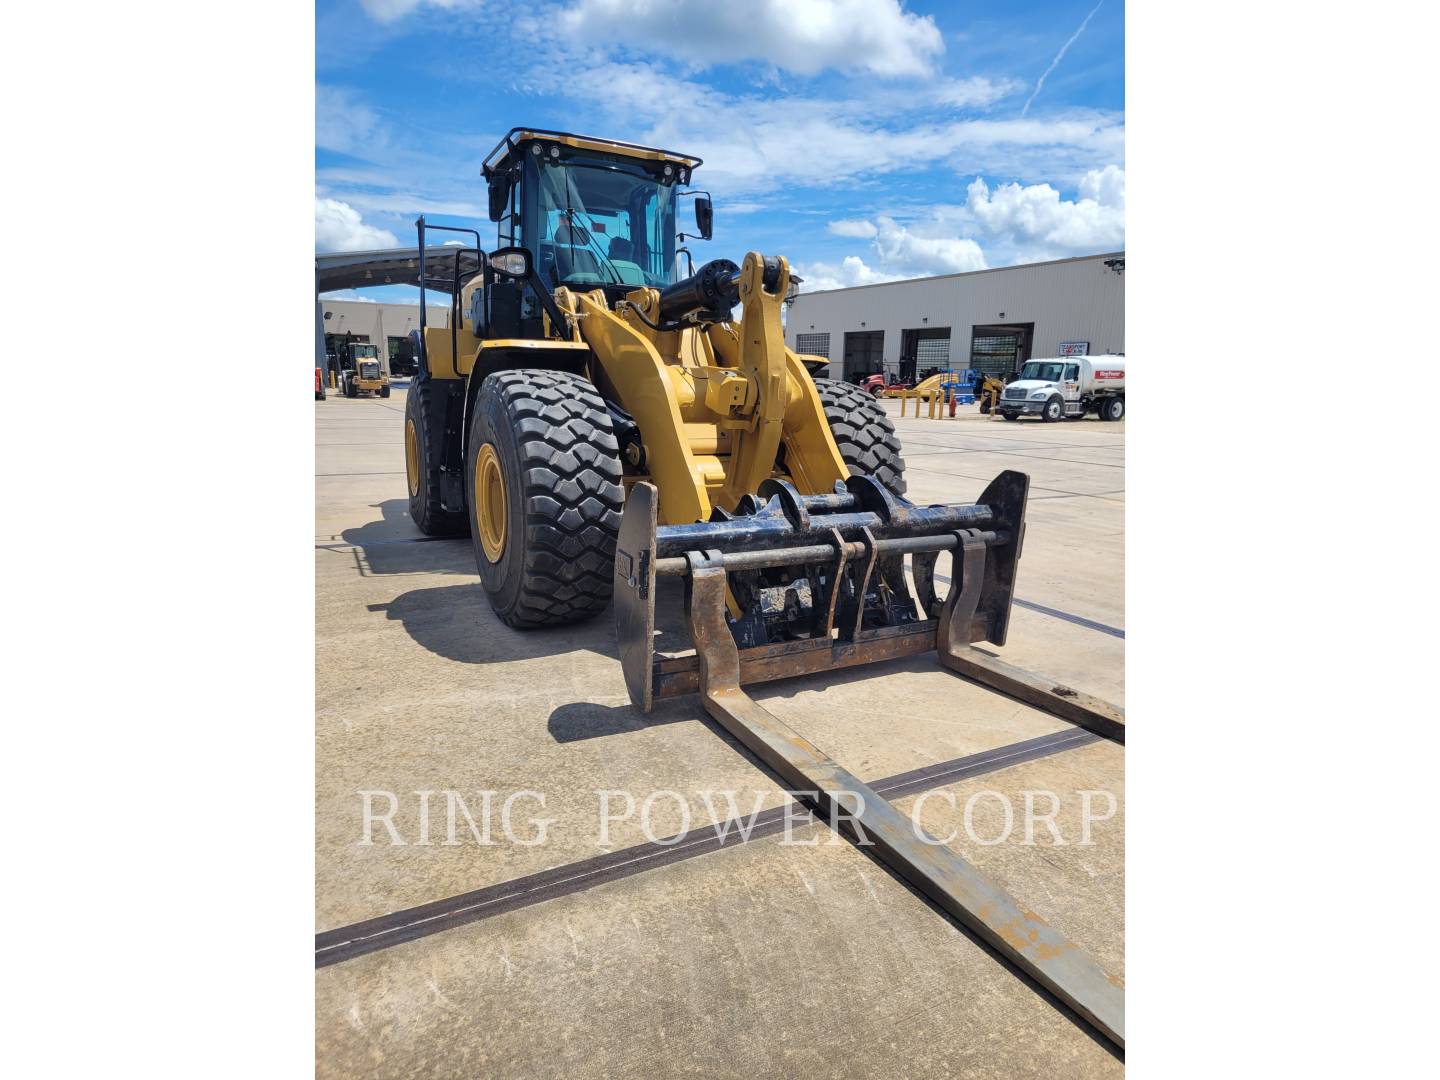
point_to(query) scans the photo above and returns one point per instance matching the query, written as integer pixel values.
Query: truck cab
(1067, 388)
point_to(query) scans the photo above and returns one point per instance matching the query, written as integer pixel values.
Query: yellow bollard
(903, 395)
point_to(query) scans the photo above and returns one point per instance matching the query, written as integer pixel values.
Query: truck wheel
(385, 390)
(1054, 409)
(542, 470)
(1113, 409)
(863, 432)
(424, 451)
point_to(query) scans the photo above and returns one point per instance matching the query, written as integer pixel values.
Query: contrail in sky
(1060, 56)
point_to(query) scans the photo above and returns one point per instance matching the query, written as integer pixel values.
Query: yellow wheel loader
(597, 421)
(361, 373)
(578, 363)
(987, 392)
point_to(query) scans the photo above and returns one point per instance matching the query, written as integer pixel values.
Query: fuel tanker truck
(1067, 388)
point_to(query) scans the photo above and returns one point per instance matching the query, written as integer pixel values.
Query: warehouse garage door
(924, 350)
(864, 353)
(1000, 350)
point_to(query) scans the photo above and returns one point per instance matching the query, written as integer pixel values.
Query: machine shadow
(393, 545)
(456, 622)
(581, 720)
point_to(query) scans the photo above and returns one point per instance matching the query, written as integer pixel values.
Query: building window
(813, 344)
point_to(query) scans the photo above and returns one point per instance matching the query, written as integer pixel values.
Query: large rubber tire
(350, 389)
(863, 432)
(985, 403)
(560, 464)
(425, 410)
(1112, 409)
(1010, 415)
(1054, 410)
(385, 390)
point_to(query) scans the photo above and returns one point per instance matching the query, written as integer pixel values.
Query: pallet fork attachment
(793, 584)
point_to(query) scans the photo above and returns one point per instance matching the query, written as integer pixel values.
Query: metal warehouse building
(991, 320)
(385, 325)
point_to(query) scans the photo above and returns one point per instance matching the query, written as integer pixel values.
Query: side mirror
(704, 216)
(511, 262)
(499, 196)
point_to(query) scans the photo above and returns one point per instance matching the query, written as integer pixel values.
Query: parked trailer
(1067, 388)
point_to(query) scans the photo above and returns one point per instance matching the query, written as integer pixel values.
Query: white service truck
(1067, 388)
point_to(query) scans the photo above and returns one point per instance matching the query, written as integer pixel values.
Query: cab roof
(509, 147)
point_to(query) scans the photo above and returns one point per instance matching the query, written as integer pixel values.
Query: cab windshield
(365, 352)
(604, 224)
(1044, 370)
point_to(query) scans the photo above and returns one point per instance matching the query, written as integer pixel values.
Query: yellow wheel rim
(412, 457)
(490, 507)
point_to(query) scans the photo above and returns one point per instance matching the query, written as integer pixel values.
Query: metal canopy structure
(394, 266)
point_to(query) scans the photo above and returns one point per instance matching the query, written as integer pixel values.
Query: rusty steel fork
(1021, 936)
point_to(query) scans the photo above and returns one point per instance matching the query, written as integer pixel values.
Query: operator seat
(577, 264)
(622, 258)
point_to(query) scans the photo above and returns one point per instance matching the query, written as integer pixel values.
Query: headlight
(1039, 394)
(512, 264)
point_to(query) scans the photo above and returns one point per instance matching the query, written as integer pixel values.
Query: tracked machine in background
(579, 369)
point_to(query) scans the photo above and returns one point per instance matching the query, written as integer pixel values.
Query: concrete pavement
(810, 960)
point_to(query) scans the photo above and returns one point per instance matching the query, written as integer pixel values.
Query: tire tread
(863, 432)
(572, 491)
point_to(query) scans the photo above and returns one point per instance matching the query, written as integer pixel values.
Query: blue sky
(866, 140)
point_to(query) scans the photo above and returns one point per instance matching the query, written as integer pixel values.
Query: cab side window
(1072, 372)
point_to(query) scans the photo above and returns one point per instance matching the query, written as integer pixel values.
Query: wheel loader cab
(593, 214)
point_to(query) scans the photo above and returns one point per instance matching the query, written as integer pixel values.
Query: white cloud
(800, 36)
(339, 227)
(974, 92)
(818, 142)
(914, 254)
(349, 294)
(851, 271)
(1106, 186)
(901, 253)
(387, 11)
(344, 125)
(1007, 224)
(1035, 217)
